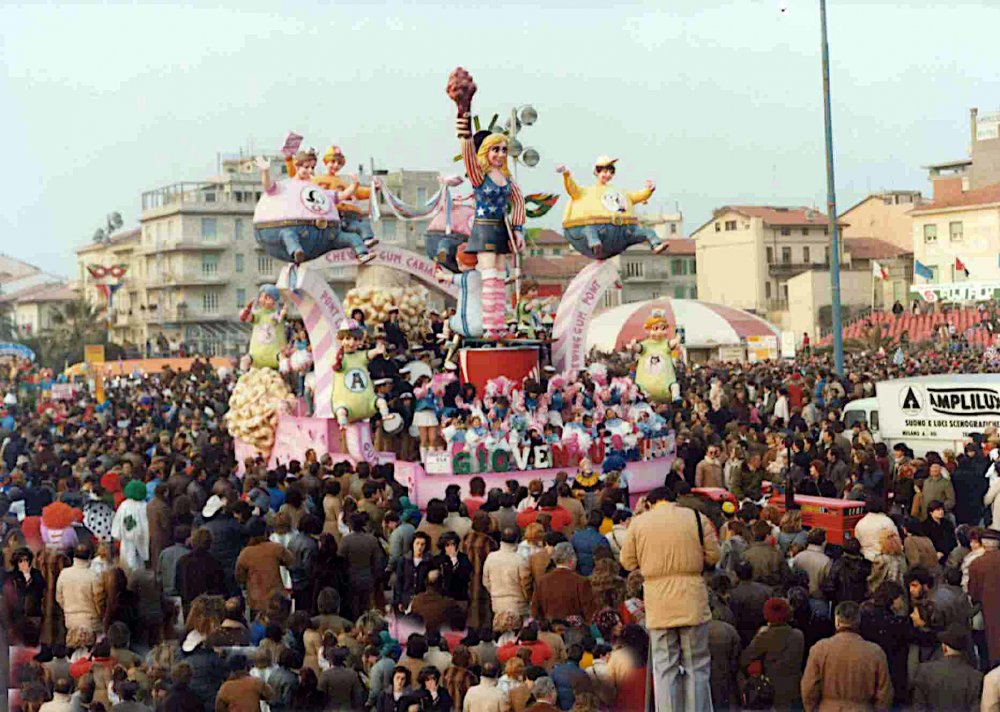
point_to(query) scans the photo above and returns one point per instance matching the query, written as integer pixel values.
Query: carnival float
(509, 400)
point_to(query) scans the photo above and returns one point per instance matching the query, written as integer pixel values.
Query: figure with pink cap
(354, 395)
(600, 220)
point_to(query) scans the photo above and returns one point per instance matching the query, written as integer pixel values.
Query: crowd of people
(142, 572)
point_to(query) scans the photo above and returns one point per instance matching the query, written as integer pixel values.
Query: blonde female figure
(495, 234)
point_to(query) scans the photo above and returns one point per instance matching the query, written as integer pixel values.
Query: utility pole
(831, 205)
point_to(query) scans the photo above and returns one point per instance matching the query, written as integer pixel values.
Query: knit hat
(777, 611)
(606, 619)
(111, 482)
(135, 490)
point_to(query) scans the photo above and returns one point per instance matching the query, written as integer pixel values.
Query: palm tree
(74, 325)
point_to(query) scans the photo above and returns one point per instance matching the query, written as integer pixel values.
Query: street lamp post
(831, 205)
(520, 154)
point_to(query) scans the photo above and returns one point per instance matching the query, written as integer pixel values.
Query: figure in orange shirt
(353, 212)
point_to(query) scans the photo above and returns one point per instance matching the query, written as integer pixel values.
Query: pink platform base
(296, 434)
(644, 476)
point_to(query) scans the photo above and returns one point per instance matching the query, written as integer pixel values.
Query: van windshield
(854, 416)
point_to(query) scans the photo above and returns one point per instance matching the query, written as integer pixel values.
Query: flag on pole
(879, 271)
(922, 270)
(960, 266)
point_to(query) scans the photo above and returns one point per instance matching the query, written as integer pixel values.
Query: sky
(718, 101)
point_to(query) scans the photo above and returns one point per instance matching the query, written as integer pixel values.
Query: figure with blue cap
(268, 339)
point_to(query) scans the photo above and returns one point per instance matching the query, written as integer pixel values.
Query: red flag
(960, 266)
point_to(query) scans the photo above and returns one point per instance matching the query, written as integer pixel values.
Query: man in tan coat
(846, 671)
(161, 525)
(708, 473)
(507, 577)
(671, 546)
(258, 567)
(81, 596)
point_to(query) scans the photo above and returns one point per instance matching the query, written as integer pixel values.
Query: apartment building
(747, 253)
(193, 263)
(669, 274)
(963, 227)
(883, 216)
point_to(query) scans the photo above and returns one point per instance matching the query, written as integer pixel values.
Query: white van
(929, 412)
(862, 410)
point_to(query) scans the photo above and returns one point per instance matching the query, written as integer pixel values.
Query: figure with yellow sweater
(296, 220)
(600, 221)
(353, 218)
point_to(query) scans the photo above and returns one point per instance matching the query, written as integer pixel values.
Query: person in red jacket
(548, 503)
(528, 638)
(795, 391)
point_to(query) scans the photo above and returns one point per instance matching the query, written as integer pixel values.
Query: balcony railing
(777, 304)
(202, 194)
(185, 246)
(791, 268)
(192, 279)
(163, 315)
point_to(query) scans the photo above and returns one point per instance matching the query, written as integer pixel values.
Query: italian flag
(879, 271)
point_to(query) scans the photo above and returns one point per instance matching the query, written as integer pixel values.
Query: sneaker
(366, 258)
(371, 242)
(299, 257)
(660, 248)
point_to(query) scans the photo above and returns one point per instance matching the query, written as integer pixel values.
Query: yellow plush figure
(655, 371)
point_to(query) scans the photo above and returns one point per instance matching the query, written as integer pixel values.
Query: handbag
(758, 693)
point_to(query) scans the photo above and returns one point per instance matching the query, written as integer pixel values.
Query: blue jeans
(443, 248)
(681, 669)
(282, 243)
(354, 223)
(613, 239)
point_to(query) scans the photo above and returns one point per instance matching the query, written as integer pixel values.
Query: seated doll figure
(441, 246)
(600, 221)
(296, 220)
(353, 210)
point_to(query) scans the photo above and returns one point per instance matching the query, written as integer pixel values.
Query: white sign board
(63, 391)
(787, 344)
(988, 126)
(731, 354)
(938, 408)
(956, 291)
(437, 462)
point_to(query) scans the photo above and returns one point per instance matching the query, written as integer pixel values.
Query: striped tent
(706, 325)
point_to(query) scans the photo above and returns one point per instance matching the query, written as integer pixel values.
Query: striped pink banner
(322, 312)
(576, 308)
